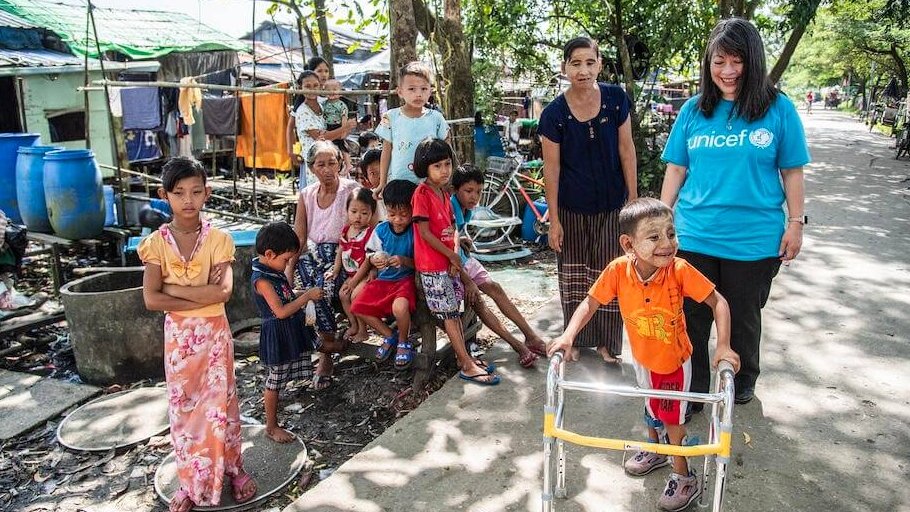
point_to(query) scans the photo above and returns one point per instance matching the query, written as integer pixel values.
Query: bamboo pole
(253, 113)
(115, 156)
(248, 218)
(97, 85)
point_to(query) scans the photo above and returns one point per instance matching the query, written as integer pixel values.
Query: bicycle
(497, 213)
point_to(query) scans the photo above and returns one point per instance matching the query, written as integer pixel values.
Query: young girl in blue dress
(285, 343)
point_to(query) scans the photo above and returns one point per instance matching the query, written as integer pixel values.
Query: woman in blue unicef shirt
(734, 158)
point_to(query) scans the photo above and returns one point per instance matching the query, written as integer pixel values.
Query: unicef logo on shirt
(761, 138)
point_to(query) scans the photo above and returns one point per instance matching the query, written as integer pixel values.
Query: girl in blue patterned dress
(285, 343)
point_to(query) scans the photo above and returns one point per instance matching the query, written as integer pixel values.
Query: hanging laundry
(141, 145)
(190, 98)
(184, 138)
(141, 108)
(114, 101)
(219, 115)
(271, 119)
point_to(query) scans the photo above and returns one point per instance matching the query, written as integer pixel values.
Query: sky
(233, 17)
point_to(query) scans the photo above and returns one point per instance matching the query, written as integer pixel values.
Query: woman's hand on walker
(554, 235)
(562, 343)
(791, 242)
(726, 354)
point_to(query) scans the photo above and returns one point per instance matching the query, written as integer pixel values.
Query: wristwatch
(804, 219)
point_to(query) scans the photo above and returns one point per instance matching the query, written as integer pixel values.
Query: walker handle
(725, 365)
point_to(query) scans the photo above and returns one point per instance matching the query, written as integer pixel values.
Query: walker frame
(717, 449)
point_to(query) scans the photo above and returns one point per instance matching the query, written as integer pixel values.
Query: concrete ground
(829, 429)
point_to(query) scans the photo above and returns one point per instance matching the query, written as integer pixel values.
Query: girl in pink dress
(188, 276)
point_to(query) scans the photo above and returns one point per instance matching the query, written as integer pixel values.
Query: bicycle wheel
(497, 200)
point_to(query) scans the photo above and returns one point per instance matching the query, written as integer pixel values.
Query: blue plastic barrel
(30, 187)
(72, 189)
(110, 211)
(527, 223)
(9, 146)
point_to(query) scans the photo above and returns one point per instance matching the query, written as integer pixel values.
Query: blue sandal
(388, 345)
(404, 358)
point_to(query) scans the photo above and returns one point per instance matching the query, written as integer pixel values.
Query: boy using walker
(650, 283)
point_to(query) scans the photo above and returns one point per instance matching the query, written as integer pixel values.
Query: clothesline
(98, 85)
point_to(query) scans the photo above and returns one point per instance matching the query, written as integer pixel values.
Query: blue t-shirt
(385, 239)
(731, 202)
(590, 173)
(462, 217)
(405, 133)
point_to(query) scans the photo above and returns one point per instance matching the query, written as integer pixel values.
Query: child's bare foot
(351, 332)
(279, 435)
(360, 337)
(574, 354)
(180, 502)
(608, 357)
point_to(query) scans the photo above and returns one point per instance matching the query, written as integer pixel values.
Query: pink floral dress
(199, 368)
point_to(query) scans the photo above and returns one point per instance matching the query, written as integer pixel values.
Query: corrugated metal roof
(13, 21)
(139, 34)
(37, 58)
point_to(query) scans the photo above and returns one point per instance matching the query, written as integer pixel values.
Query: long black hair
(738, 37)
(575, 44)
(178, 168)
(313, 62)
(306, 73)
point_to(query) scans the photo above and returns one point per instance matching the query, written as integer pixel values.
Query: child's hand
(380, 260)
(345, 288)
(377, 192)
(564, 344)
(394, 261)
(454, 264)
(726, 354)
(216, 273)
(471, 293)
(315, 294)
(331, 275)
(466, 244)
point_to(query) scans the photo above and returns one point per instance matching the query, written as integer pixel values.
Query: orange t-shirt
(653, 311)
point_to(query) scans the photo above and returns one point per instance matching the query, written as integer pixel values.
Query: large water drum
(30, 187)
(9, 145)
(72, 189)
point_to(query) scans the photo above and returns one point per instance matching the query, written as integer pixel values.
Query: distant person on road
(734, 157)
(590, 171)
(810, 98)
(650, 283)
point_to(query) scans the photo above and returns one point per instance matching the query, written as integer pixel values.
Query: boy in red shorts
(650, 283)
(390, 250)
